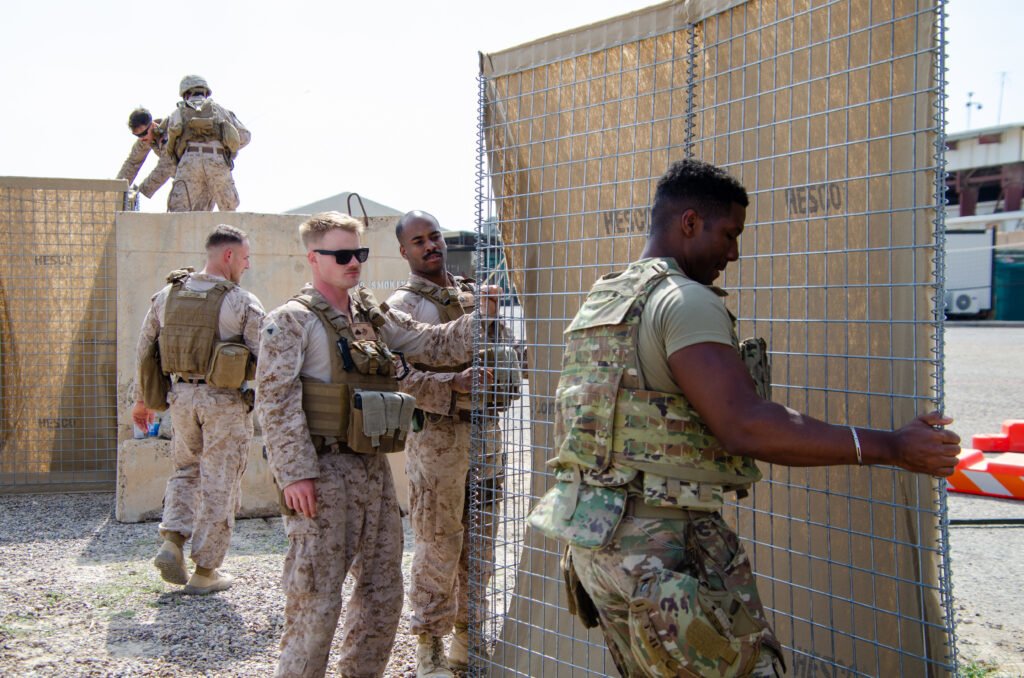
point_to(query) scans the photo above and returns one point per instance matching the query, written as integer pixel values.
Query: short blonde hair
(313, 230)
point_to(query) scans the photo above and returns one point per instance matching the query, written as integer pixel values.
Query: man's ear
(401, 250)
(689, 222)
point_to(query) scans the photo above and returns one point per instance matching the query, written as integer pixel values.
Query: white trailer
(969, 272)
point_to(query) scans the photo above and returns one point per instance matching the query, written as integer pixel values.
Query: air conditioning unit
(962, 303)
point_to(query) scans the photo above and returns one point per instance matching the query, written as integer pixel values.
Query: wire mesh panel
(58, 334)
(831, 114)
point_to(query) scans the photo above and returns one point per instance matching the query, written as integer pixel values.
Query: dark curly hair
(695, 184)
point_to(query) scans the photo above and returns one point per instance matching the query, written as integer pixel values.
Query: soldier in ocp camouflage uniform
(151, 135)
(324, 356)
(437, 459)
(201, 323)
(203, 138)
(660, 412)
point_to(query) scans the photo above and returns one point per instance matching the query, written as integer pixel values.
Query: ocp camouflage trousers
(212, 430)
(357, 529)
(201, 181)
(644, 584)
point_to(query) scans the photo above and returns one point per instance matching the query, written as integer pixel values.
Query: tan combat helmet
(192, 82)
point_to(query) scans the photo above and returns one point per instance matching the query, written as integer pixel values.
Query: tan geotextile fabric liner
(823, 111)
(57, 326)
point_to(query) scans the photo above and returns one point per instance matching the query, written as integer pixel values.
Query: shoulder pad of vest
(368, 303)
(179, 274)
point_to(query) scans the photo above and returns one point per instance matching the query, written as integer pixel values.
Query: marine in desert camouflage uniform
(437, 458)
(212, 427)
(151, 135)
(203, 138)
(660, 412)
(341, 510)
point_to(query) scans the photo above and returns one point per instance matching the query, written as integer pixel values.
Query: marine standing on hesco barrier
(330, 408)
(151, 135)
(659, 412)
(437, 458)
(203, 137)
(204, 331)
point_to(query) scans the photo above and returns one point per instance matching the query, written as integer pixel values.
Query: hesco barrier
(58, 333)
(831, 112)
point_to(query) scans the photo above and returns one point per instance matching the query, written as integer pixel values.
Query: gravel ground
(984, 387)
(79, 596)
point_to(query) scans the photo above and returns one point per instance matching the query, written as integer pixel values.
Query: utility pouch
(370, 358)
(379, 421)
(228, 365)
(580, 514)
(681, 627)
(203, 126)
(580, 603)
(155, 385)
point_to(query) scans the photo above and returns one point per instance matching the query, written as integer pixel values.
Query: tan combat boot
(171, 562)
(201, 584)
(430, 659)
(458, 658)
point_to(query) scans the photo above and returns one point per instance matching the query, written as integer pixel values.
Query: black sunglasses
(143, 132)
(345, 256)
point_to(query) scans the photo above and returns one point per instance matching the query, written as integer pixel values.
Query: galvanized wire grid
(832, 115)
(58, 335)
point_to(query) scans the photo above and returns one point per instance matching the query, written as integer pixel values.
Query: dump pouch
(229, 137)
(580, 514)
(154, 383)
(379, 421)
(229, 365)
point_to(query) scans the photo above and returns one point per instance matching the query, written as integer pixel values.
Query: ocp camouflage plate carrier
(613, 429)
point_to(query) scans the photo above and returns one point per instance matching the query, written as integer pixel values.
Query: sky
(374, 97)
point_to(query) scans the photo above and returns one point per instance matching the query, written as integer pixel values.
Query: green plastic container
(1009, 285)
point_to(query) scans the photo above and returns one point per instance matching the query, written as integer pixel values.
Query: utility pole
(971, 105)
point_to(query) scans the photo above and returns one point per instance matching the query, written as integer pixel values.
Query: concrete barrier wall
(151, 245)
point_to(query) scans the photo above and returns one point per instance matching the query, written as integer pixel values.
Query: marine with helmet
(204, 138)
